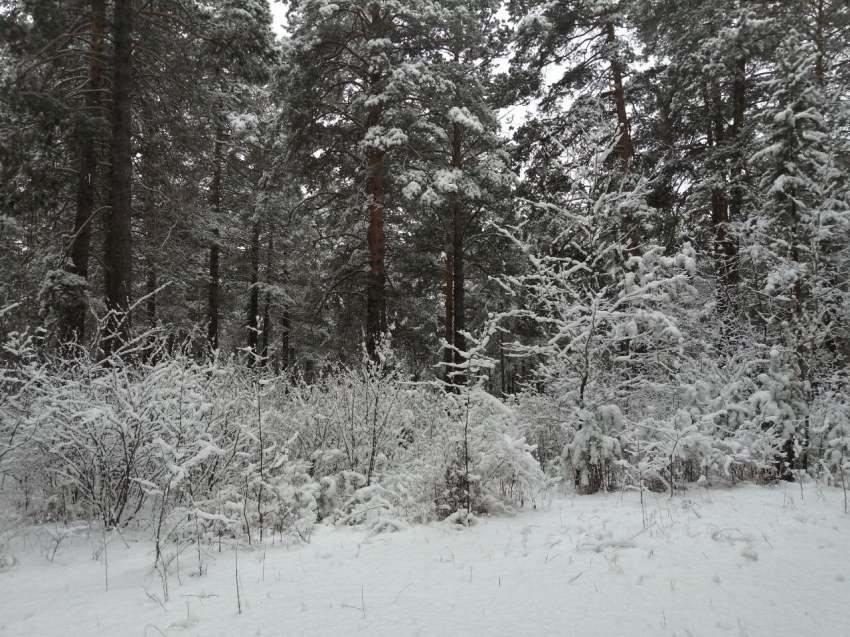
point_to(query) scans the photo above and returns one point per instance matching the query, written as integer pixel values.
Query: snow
(747, 560)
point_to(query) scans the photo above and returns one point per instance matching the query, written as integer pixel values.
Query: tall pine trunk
(449, 333)
(736, 195)
(458, 263)
(723, 245)
(285, 328)
(376, 304)
(254, 296)
(214, 288)
(267, 305)
(151, 241)
(117, 257)
(74, 327)
(624, 146)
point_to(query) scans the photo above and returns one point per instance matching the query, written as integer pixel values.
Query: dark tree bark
(458, 274)
(74, 327)
(151, 288)
(820, 42)
(117, 257)
(624, 147)
(152, 235)
(285, 328)
(739, 87)
(503, 370)
(449, 334)
(724, 246)
(254, 296)
(214, 292)
(376, 304)
(214, 289)
(726, 207)
(267, 305)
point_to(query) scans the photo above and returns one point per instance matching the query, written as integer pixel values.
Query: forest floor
(748, 560)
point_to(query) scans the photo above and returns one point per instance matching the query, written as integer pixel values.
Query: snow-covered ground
(743, 561)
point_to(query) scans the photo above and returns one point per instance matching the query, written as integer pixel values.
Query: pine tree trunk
(458, 274)
(117, 257)
(624, 147)
(151, 238)
(820, 44)
(737, 195)
(151, 288)
(254, 297)
(267, 325)
(801, 329)
(285, 325)
(376, 305)
(449, 334)
(503, 371)
(214, 292)
(74, 327)
(214, 289)
(724, 247)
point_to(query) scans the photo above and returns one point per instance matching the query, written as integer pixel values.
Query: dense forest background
(454, 248)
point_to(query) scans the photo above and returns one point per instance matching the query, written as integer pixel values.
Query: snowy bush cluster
(634, 383)
(206, 451)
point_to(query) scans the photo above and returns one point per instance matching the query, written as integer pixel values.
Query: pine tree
(805, 216)
(358, 71)
(117, 252)
(460, 172)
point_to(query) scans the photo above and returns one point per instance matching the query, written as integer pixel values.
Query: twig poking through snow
(401, 591)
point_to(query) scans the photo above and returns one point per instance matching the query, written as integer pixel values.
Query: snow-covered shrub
(832, 418)
(487, 465)
(208, 452)
(608, 342)
(61, 293)
(594, 447)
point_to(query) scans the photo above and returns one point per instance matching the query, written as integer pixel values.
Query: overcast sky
(279, 13)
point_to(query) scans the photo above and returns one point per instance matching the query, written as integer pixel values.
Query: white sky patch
(280, 23)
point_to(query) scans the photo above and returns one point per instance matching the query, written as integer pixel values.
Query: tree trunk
(214, 289)
(802, 331)
(624, 147)
(214, 292)
(724, 246)
(75, 323)
(376, 307)
(152, 235)
(738, 105)
(449, 334)
(285, 325)
(376, 304)
(118, 262)
(254, 297)
(267, 325)
(458, 274)
(820, 44)
(151, 288)
(503, 375)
